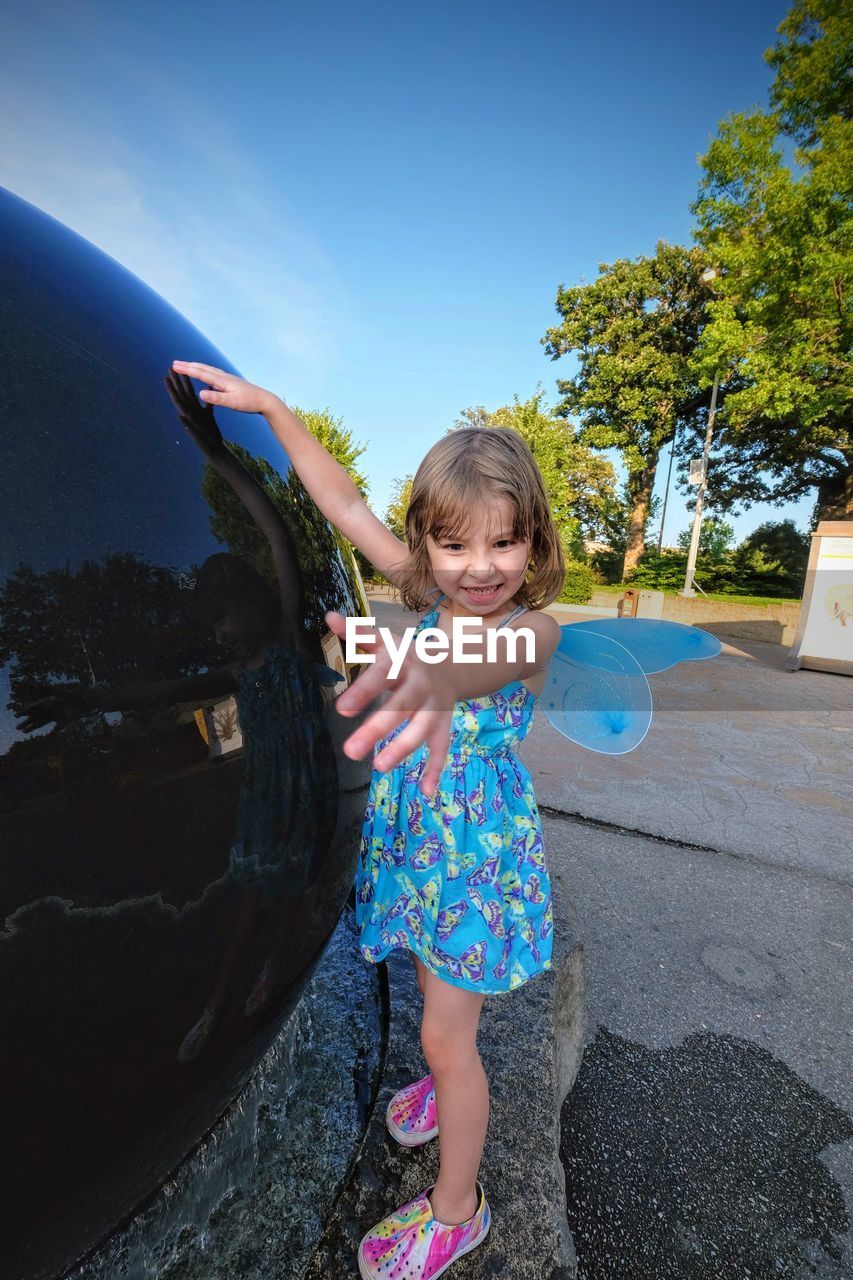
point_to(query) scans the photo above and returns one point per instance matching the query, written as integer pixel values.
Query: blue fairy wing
(657, 645)
(596, 693)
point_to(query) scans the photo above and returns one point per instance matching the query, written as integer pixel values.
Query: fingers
(438, 747)
(217, 378)
(368, 686)
(383, 721)
(416, 732)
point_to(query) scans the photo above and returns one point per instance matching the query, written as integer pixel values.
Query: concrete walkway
(742, 756)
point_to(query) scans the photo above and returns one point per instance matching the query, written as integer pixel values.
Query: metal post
(689, 589)
(666, 492)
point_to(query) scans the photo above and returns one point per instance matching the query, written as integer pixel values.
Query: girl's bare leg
(449, 1038)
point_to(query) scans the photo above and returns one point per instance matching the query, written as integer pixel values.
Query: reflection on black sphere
(178, 843)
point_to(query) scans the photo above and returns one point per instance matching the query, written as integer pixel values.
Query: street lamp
(709, 274)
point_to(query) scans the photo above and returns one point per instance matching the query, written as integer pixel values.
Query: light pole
(709, 274)
(688, 588)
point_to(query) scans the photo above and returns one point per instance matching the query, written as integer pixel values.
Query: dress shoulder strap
(436, 602)
(510, 617)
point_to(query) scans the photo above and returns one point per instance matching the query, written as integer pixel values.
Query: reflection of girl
(288, 798)
(287, 808)
(289, 783)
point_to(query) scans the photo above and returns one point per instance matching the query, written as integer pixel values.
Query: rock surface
(250, 1202)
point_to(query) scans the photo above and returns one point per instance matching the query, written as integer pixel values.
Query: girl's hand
(197, 418)
(228, 390)
(420, 696)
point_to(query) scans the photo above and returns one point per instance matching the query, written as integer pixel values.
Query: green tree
(781, 547)
(338, 440)
(634, 331)
(395, 516)
(715, 538)
(777, 227)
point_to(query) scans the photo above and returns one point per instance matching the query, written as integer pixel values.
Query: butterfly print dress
(460, 878)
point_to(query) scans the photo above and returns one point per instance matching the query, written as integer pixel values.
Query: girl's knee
(447, 1047)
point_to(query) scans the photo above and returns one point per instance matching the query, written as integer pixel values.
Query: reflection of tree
(324, 555)
(109, 621)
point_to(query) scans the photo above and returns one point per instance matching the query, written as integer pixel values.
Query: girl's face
(238, 632)
(481, 568)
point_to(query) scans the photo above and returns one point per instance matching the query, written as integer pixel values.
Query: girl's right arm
(327, 482)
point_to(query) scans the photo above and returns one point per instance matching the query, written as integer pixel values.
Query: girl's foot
(411, 1244)
(412, 1116)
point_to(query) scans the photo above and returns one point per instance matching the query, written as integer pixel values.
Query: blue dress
(460, 878)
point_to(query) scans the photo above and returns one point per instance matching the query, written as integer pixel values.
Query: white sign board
(696, 470)
(824, 639)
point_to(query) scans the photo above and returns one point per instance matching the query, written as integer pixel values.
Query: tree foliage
(324, 553)
(771, 561)
(633, 331)
(338, 441)
(777, 227)
(779, 547)
(395, 516)
(715, 538)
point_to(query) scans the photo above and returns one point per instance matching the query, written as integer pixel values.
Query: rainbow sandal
(411, 1245)
(412, 1116)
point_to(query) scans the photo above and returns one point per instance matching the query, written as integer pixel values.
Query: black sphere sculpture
(179, 823)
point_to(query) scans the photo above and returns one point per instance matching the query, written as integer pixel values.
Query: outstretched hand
(419, 698)
(227, 389)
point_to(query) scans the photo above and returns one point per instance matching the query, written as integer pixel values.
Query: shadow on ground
(700, 1161)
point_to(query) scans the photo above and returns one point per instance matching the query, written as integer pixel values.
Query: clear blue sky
(370, 206)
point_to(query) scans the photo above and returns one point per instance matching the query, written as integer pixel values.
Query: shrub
(578, 584)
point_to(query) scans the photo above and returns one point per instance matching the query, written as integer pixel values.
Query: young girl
(451, 864)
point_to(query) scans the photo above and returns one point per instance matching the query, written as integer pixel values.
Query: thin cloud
(231, 265)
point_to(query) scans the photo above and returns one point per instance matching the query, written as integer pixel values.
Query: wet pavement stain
(701, 1161)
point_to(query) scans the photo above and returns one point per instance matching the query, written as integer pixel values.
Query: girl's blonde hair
(468, 468)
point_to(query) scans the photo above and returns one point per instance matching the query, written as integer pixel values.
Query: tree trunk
(835, 496)
(640, 487)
